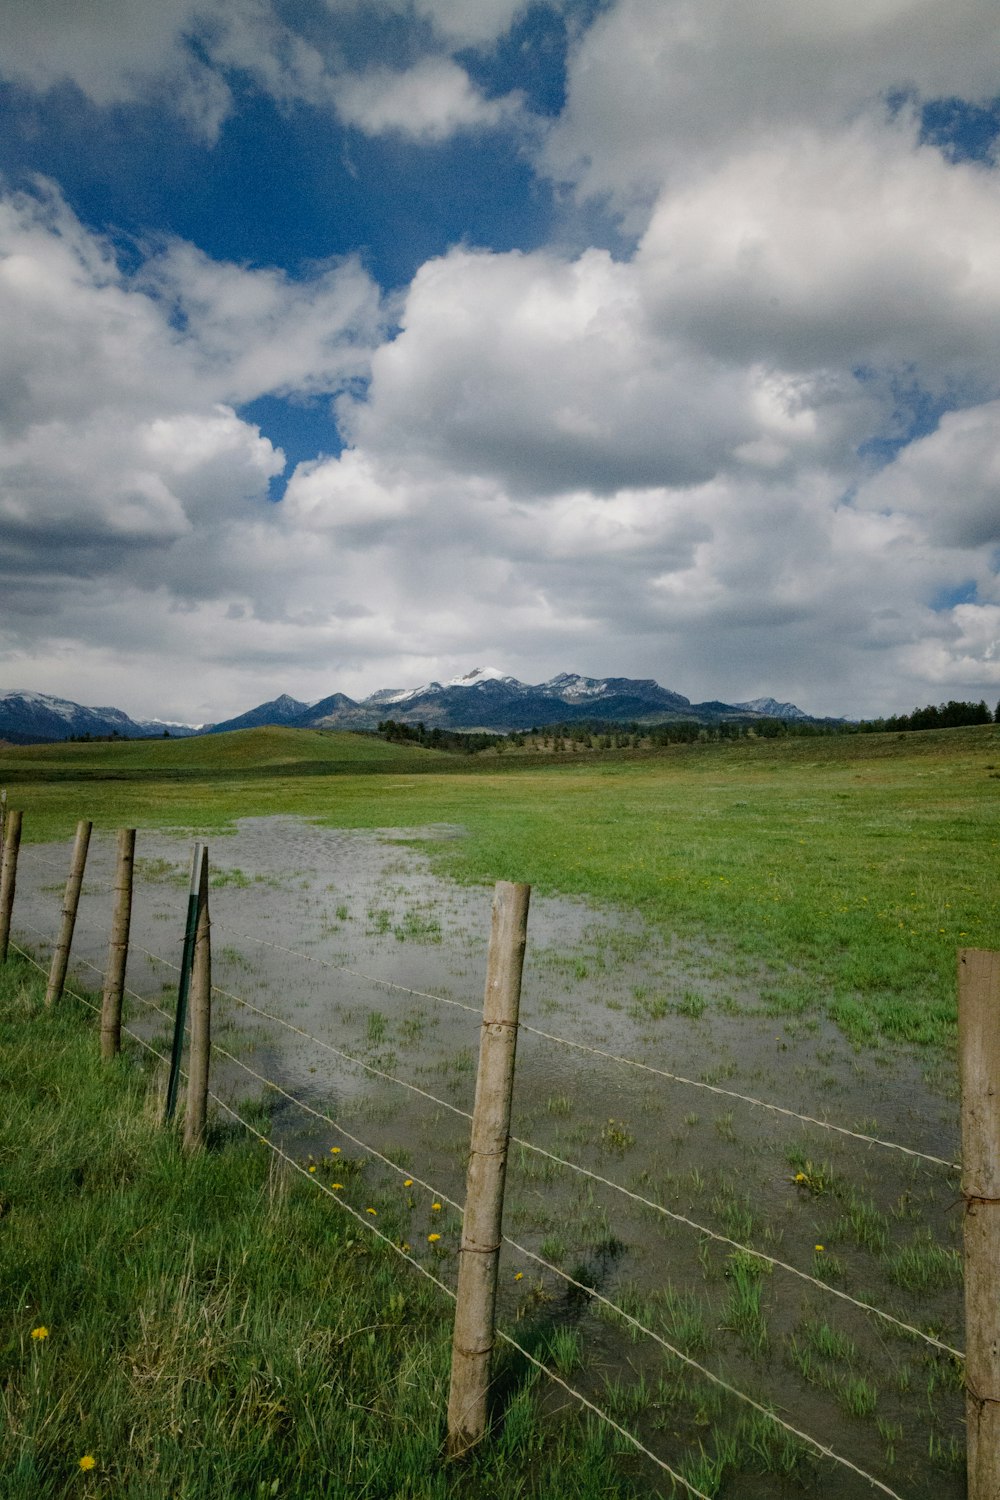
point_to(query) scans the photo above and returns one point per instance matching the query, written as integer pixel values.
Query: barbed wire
(620, 1058)
(723, 1239)
(814, 1443)
(650, 1203)
(27, 851)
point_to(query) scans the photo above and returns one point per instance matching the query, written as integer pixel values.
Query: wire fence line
(823, 1449)
(620, 1058)
(563, 1163)
(629, 1062)
(442, 1286)
(704, 1230)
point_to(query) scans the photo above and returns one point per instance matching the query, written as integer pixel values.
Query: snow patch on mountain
(770, 708)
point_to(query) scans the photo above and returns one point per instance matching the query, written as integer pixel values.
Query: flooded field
(350, 938)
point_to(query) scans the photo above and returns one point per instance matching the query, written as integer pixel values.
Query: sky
(351, 344)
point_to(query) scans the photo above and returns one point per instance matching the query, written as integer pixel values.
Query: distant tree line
(458, 741)
(950, 715)
(601, 734)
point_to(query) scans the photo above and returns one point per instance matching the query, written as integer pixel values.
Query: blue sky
(351, 345)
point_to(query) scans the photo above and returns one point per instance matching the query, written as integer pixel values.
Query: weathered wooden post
(979, 1063)
(201, 1022)
(472, 1344)
(8, 877)
(114, 977)
(71, 900)
(184, 983)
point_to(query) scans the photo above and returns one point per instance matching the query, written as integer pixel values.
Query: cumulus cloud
(857, 247)
(115, 52)
(427, 102)
(186, 54)
(658, 89)
(660, 463)
(950, 479)
(122, 459)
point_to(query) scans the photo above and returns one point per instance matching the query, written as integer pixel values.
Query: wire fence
(705, 1233)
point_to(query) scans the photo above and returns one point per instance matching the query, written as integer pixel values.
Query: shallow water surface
(349, 938)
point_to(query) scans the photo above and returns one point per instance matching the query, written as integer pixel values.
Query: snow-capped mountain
(770, 708)
(27, 718)
(484, 698)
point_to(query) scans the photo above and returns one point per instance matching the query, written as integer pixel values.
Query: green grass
(214, 1328)
(845, 870)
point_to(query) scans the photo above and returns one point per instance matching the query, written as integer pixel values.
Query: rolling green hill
(242, 752)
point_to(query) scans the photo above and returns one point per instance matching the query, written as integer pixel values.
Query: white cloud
(639, 465)
(832, 250)
(658, 89)
(950, 479)
(184, 53)
(125, 473)
(116, 52)
(429, 101)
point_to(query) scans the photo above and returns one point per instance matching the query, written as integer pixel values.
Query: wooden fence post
(184, 983)
(8, 877)
(979, 1062)
(201, 1022)
(71, 900)
(114, 978)
(472, 1343)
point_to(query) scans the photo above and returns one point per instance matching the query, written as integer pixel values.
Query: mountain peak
(480, 674)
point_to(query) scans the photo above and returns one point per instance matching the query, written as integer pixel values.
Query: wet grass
(216, 1327)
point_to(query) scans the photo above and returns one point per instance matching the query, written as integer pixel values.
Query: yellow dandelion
(336, 1184)
(435, 1207)
(313, 1167)
(334, 1150)
(40, 1333)
(800, 1177)
(373, 1211)
(432, 1237)
(88, 1461)
(817, 1247)
(408, 1182)
(519, 1276)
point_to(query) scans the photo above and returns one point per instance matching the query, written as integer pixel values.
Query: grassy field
(843, 871)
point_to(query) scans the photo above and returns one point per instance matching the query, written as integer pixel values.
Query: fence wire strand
(636, 1197)
(500, 1333)
(562, 1041)
(607, 1182)
(821, 1448)
(628, 1062)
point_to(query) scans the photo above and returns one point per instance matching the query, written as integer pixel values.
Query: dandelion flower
(373, 1211)
(88, 1461)
(435, 1207)
(334, 1150)
(40, 1333)
(519, 1276)
(800, 1177)
(432, 1237)
(336, 1184)
(817, 1247)
(408, 1182)
(312, 1167)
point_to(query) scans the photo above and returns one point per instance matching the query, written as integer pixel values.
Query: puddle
(888, 1225)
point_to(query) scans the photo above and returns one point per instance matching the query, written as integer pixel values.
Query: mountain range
(484, 699)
